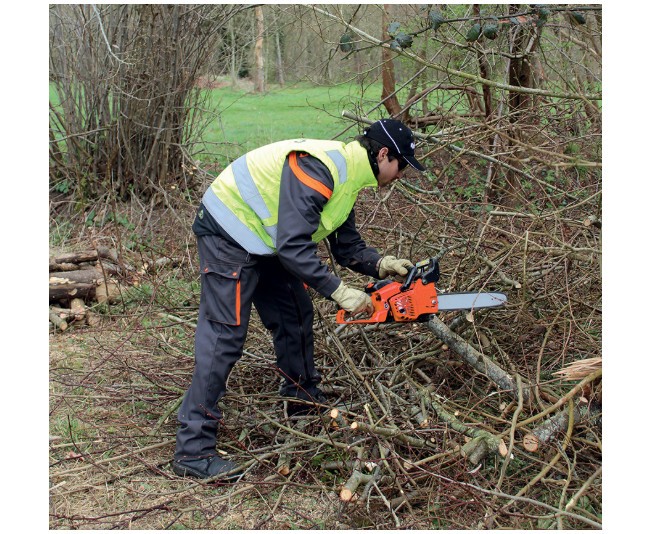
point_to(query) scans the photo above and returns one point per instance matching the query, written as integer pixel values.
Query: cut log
(83, 276)
(74, 284)
(58, 267)
(85, 284)
(70, 291)
(78, 308)
(86, 256)
(348, 491)
(107, 292)
(57, 321)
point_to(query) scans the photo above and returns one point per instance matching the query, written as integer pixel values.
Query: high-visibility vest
(244, 198)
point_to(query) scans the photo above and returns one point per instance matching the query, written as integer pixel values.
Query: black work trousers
(232, 280)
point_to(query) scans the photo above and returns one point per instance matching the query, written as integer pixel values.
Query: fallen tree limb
(556, 425)
(563, 400)
(478, 361)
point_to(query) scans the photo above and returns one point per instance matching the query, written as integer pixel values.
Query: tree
(388, 94)
(259, 77)
(127, 108)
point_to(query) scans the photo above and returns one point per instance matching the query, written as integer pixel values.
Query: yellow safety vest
(244, 198)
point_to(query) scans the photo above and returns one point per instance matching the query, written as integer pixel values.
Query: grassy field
(247, 120)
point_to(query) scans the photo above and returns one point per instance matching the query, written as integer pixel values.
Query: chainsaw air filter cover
(410, 305)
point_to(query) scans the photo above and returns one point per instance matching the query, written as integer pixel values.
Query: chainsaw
(417, 298)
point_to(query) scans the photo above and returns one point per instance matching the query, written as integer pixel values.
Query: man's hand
(352, 300)
(391, 265)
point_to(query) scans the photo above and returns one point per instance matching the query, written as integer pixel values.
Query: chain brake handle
(427, 270)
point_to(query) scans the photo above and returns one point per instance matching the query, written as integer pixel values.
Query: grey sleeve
(305, 184)
(351, 251)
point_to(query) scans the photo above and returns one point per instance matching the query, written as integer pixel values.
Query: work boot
(210, 467)
(304, 404)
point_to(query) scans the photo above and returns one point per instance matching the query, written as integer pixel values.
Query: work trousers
(231, 281)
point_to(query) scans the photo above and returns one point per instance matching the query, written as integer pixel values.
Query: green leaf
(435, 19)
(491, 30)
(394, 26)
(90, 218)
(542, 11)
(578, 18)
(404, 40)
(346, 44)
(473, 33)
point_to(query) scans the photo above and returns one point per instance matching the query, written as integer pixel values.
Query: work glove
(391, 265)
(352, 300)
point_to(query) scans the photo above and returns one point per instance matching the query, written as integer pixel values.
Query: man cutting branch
(257, 229)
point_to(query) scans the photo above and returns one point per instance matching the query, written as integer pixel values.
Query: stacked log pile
(77, 279)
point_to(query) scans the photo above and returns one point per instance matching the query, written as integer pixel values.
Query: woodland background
(483, 420)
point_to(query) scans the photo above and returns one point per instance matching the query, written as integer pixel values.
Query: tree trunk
(484, 71)
(258, 51)
(390, 100)
(520, 74)
(280, 75)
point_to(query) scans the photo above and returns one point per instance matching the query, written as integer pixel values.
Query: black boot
(210, 467)
(305, 404)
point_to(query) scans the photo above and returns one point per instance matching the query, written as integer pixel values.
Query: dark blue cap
(397, 137)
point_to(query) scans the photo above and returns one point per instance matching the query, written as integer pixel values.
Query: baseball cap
(397, 137)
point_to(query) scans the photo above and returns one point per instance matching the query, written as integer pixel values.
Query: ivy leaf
(473, 33)
(542, 11)
(404, 40)
(436, 19)
(394, 26)
(491, 30)
(346, 44)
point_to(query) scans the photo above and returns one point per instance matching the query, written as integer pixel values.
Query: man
(257, 231)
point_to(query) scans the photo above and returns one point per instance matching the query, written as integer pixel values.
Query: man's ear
(382, 153)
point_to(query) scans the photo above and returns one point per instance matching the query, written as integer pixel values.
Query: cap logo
(390, 137)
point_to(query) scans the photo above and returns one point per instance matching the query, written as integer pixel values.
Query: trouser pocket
(221, 293)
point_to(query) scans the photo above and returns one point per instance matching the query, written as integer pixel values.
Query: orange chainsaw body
(407, 302)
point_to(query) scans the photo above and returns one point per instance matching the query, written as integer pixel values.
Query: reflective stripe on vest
(253, 198)
(248, 190)
(340, 163)
(234, 227)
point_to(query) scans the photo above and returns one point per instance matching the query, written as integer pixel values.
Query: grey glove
(352, 300)
(390, 265)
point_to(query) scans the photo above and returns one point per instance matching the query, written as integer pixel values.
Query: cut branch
(555, 426)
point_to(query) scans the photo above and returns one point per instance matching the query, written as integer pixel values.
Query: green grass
(247, 120)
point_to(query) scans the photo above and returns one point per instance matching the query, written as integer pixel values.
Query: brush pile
(481, 421)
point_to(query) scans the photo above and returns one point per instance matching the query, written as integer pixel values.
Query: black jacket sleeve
(305, 185)
(351, 251)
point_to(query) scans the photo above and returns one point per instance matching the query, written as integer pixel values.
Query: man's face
(388, 170)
